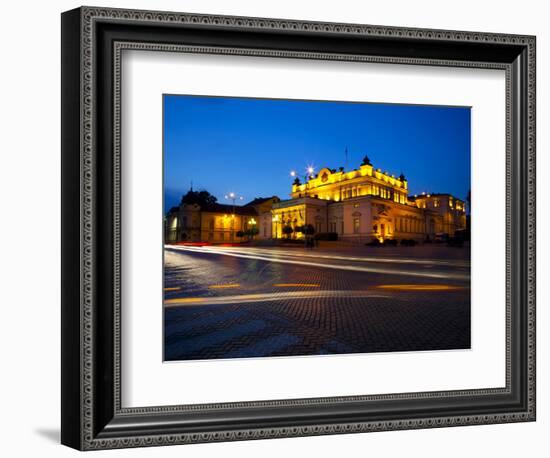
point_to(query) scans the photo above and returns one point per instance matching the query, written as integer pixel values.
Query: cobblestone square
(241, 302)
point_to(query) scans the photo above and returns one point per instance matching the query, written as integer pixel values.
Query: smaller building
(448, 212)
(218, 223)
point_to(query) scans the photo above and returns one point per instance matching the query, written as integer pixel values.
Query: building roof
(261, 200)
(433, 194)
(228, 208)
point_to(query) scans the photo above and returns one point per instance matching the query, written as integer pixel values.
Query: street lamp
(252, 228)
(233, 197)
(310, 170)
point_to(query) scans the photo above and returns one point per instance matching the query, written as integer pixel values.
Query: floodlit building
(219, 223)
(358, 205)
(366, 203)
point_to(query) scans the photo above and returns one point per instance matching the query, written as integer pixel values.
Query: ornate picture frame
(92, 414)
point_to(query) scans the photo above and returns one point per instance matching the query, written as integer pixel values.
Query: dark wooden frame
(92, 39)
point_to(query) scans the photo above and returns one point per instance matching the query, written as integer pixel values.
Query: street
(235, 302)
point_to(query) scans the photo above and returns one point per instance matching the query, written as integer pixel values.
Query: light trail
(229, 285)
(288, 253)
(269, 297)
(354, 268)
(420, 287)
(297, 285)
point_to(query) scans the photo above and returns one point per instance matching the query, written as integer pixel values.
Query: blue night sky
(249, 146)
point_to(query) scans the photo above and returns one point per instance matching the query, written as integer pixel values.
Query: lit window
(356, 225)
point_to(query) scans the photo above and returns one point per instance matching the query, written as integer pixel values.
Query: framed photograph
(276, 228)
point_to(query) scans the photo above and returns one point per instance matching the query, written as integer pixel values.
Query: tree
(201, 198)
(240, 234)
(308, 229)
(252, 232)
(287, 230)
(366, 161)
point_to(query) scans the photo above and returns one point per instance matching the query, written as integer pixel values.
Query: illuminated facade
(358, 205)
(218, 223)
(363, 204)
(337, 186)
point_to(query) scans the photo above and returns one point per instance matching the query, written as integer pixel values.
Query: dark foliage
(327, 236)
(201, 198)
(374, 242)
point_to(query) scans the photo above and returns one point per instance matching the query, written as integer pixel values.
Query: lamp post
(252, 230)
(310, 170)
(309, 175)
(233, 197)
